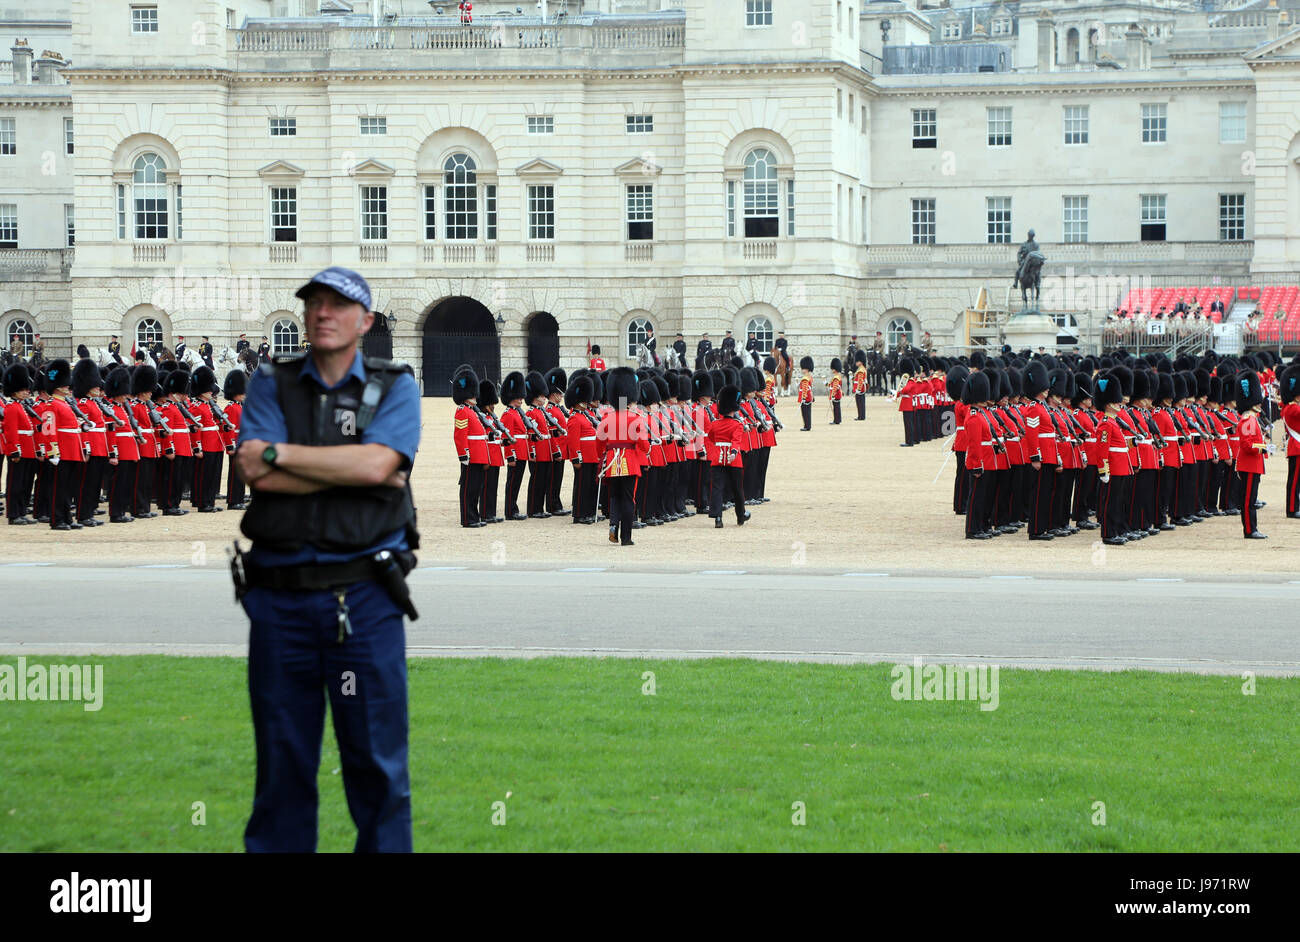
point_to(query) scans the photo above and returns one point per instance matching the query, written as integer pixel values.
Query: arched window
(761, 328)
(147, 333)
(149, 197)
(1072, 47)
(761, 200)
(460, 197)
(637, 332)
(899, 329)
(284, 337)
(21, 331)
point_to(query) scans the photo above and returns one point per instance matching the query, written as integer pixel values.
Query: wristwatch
(269, 455)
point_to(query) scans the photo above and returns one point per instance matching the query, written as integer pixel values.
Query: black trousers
(1085, 492)
(63, 491)
(1062, 496)
(835, 411)
(208, 477)
(122, 499)
(584, 490)
(1040, 499)
(539, 479)
(145, 470)
(728, 482)
(1218, 483)
(1249, 494)
(235, 492)
(92, 476)
(1112, 499)
(487, 508)
(805, 409)
(622, 505)
(1142, 505)
(1292, 484)
(1188, 476)
(1022, 476)
(46, 475)
(1166, 508)
(1203, 485)
(960, 485)
(556, 481)
(703, 483)
(861, 400)
(514, 478)
(18, 486)
(471, 492)
(643, 492)
(977, 505)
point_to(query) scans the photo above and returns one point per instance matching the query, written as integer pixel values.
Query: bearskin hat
(535, 385)
(1036, 379)
(118, 383)
(733, 375)
(750, 381)
(728, 400)
(595, 349)
(1163, 365)
(1164, 387)
(487, 393)
(683, 386)
(665, 391)
(143, 380)
(203, 380)
(16, 379)
(597, 386)
(1082, 388)
(1107, 390)
(647, 393)
(176, 381)
(1248, 390)
(579, 390)
(719, 380)
(464, 385)
(621, 387)
(82, 352)
(1289, 384)
(556, 380)
(85, 377)
(836, 365)
(182, 365)
(860, 356)
(1141, 385)
(1182, 389)
(1058, 383)
(1016, 377)
(769, 364)
(1125, 377)
(512, 387)
(806, 363)
(978, 360)
(955, 382)
(1202, 378)
(236, 384)
(976, 389)
(57, 373)
(701, 385)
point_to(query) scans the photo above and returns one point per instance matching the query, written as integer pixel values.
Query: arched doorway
(459, 330)
(543, 342)
(378, 341)
(1072, 47)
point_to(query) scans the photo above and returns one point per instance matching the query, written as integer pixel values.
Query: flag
(589, 347)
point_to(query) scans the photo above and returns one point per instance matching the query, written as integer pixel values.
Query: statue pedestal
(1031, 329)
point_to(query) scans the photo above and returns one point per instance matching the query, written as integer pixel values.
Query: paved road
(843, 617)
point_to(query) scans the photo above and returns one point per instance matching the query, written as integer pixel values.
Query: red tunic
(514, 424)
(469, 437)
(727, 434)
(582, 438)
(1112, 446)
(1042, 434)
(805, 390)
(1170, 454)
(624, 438)
(979, 442)
(20, 441)
(1291, 421)
(559, 438)
(128, 449)
(61, 428)
(1250, 459)
(235, 415)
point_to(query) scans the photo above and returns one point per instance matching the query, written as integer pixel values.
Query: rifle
(87, 423)
(220, 415)
(190, 420)
(494, 426)
(160, 427)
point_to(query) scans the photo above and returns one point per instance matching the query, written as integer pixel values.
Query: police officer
(327, 442)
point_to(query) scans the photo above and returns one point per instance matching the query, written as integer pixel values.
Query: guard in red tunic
(154, 431)
(597, 362)
(1288, 392)
(806, 392)
(556, 383)
(980, 456)
(67, 458)
(86, 386)
(471, 445)
(20, 444)
(582, 448)
(860, 384)
(235, 389)
(497, 435)
(955, 384)
(1115, 474)
(516, 423)
(1085, 489)
(1170, 454)
(727, 434)
(540, 447)
(835, 389)
(207, 476)
(1042, 451)
(624, 439)
(1251, 450)
(127, 440)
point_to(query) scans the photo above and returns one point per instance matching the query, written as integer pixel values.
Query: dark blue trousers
(294, 661)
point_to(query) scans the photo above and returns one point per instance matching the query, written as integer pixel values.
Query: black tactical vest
(338, 519)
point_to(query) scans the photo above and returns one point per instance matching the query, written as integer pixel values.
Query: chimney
(1137, 49)
(22, 62)
(1046, 34)
(47, 68)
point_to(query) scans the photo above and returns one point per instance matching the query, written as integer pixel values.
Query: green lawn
(713, 761)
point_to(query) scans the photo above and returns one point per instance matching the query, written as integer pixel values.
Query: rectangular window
(1153, 217)
(541, 124)
(865, 228)
(430, 212)
(8, 138)
(490, 210)
(640, 123)
(1155, 120)
(839, 16)
(374, 213)
(284, 214)
(284, 127)
(150, 206)
(923, 222)
(999, 127)
(70, 224)
(731, 208)
(839, 102)
(839, 211)
(121, 211)
(1074, 218)
(180, 218)
(144, 19)
(851, 107)
(640, 211)
(541, 212)
(762, 206)
(1232, 216)
(371, 125)
(863, 125)
(789, 207)
(758, 12)
(460, 206)
(998, 210)
(8, 226)
(67, 136)
(230, 19)
(1076, 124)
(925, 127)
(1232, 122)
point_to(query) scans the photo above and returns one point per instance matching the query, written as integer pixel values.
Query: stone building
(545, 177)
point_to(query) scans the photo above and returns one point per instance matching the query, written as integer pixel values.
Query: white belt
(1123, 450)
(1046, 434)
(1090, 439)
(986, 443)
(24, 431)
(207, 428)
(588, 438)
(68, 431)
(126, 434)
(1016, 439)
(478, 438)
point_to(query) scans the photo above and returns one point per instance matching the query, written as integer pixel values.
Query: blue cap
(343, 280)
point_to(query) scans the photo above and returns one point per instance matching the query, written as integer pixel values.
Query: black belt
(331, 576)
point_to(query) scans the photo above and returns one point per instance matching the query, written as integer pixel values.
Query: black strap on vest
(380, 376)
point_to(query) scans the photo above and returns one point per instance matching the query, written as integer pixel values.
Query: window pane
(758, 12)
(999, 218)
(8, 137)
(923, 213)
(1232, 216)
(1154, 119)
(374, 213)
(460, 197)
(637, 334)
(1075, 218)
(284, 337)
(761, 197)
(490, 209)
(374, 125)
(640, 211)
(1232, 122)
(541, 212)
(1076, 124)
(8, 226)
(430, 212)
(761, 328)
(284, 214)
(147, 333)
(925, 127)
(999, 127)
